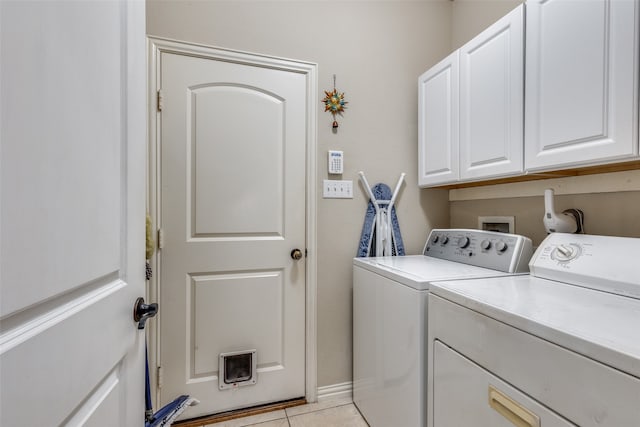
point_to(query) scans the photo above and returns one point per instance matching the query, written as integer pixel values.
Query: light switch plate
(334, 189)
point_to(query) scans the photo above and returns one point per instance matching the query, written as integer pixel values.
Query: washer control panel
(606, 263)
(499, 251)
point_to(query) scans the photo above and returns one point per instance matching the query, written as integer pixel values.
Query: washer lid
(596, 324)
(417, 271)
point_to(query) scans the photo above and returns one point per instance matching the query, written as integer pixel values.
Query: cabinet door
(438, 123)
(580, 101)
(491, 100)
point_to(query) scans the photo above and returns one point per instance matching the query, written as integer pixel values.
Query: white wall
(470, 17)
(377, 49)
(610, 203)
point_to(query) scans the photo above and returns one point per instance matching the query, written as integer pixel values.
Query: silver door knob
(296, 254)
(142, 312)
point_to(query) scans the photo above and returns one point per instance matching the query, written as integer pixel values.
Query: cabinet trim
(617, 178)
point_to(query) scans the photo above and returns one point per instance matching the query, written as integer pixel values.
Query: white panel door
(438, 129)
(72, 218)
(581, 91)
(232, 208)
(491, 100)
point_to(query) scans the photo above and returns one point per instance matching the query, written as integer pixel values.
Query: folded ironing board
(381, 230)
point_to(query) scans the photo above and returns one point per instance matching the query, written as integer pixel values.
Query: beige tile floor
(329, 413)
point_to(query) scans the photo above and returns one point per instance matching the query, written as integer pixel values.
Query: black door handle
(142, 312)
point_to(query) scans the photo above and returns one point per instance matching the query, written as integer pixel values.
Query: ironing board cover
(367, 248)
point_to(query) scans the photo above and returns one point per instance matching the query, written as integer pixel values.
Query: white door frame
(156, 46)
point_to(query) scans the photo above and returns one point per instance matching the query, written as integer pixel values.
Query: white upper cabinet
(438, 123)
(581, 97)
(470, 108)
(491, 100)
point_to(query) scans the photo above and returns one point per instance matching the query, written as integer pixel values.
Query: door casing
(157, 46)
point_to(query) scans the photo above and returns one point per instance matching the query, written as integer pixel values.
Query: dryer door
(467, 395)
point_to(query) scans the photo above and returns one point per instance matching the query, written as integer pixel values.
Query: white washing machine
(390, 316)
(558, 347)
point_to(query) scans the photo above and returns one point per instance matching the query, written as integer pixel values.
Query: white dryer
(558, 347)
(390, 316)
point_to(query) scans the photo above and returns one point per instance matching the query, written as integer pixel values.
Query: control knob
(566, 252)
(463, 242)
(501, 246)
(444, 240)
(435, 238)
(485, 244)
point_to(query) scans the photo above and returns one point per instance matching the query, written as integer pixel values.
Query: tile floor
(328, 413)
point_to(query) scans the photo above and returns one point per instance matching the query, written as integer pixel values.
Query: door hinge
(159, 100)
(160, 238)
(159, 377)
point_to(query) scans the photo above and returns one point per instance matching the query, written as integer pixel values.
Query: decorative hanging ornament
(334, 103)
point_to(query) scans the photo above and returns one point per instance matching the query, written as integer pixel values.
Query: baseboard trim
(335, 391)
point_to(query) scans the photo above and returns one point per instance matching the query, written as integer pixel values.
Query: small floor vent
(237, 368)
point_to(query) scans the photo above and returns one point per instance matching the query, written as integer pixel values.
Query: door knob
(142, 312)
(296, 254)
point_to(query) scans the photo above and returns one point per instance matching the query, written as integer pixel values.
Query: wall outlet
(334, 189)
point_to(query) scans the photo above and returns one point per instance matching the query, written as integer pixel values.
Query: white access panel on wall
(438, 132)
(491, 100)
(581, 91)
